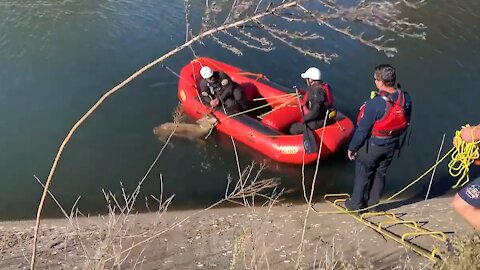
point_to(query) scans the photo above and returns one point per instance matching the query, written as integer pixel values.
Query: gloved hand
(214, 103)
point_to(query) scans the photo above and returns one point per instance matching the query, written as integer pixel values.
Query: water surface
(59, 58)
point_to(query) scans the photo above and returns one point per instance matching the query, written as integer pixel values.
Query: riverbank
(223, 238)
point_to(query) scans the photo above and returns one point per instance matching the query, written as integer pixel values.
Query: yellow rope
(421, 176)
(288, 99)
(465, 154)
(247, 111)
(396, 194)
(261, 116)
(257, 75)
(274, 97)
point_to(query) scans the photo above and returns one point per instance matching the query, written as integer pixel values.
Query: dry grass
(462, 253)
(253, 241)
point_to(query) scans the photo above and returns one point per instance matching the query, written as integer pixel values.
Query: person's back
(315, 103)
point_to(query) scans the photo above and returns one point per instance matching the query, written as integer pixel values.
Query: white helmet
(312, 73)
(206, 72)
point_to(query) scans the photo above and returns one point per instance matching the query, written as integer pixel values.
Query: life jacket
(328, 95)
(394, 122)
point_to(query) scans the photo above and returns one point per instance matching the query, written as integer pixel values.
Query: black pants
(240, 98)
(232, 106)
(370, 169)
(237, 102)
(298, 128)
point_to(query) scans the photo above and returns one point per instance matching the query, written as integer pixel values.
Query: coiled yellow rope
(465, 153)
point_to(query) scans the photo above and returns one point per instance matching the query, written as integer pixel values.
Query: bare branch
(229, 13)
(248, 44)
(227, 47)
(320, 56)
(187, 23)
(258, 5)
(292, 35)
(389, 51)
(262, 40)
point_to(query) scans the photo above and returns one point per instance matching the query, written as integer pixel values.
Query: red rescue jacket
(394, 122)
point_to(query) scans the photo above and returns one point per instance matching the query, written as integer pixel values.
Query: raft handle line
(178, 75)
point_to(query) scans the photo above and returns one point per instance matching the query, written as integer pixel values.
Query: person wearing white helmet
(316, 101)
(218, 88)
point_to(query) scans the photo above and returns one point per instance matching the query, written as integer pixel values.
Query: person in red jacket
(316, 101)
(381, 122)
(467, 201)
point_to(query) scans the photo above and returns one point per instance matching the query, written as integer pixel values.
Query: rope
(195, 79)
(240, 113)
(280, 135)
(318, 158)
(312, 189)
(433, 173)
(465, 154)
(275, 97)
(396, 194)
(261, 116)
(241, 72)
(257, 75)
(289, 99)
(210, 131)
(215, 66)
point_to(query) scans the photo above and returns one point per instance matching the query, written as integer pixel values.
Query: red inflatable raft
(266, 132)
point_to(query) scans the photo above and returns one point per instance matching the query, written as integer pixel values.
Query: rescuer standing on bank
(381, 122)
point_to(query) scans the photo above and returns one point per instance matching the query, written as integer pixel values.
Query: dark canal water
(58, 58)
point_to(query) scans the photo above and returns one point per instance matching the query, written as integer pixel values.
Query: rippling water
(59, 58)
